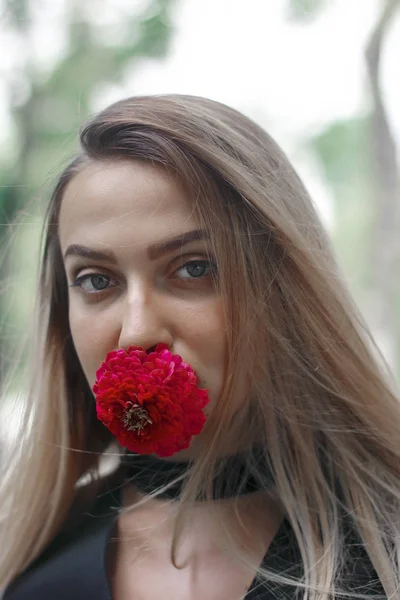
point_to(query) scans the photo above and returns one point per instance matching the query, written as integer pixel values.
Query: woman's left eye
(197, 269)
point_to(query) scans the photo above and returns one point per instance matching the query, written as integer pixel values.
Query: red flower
(150, 402)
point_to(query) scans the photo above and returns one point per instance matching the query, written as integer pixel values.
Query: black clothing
(73, 566)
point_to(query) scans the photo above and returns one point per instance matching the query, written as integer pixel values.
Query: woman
(182, 223)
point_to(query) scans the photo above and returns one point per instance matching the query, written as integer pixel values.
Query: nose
(144, 323)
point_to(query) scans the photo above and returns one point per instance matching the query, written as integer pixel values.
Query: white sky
(291, 78)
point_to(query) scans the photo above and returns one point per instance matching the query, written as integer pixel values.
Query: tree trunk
(385, 179)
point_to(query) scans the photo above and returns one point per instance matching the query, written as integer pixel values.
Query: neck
(249, 521)
(237, 475)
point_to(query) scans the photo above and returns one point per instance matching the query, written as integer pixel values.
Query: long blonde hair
(318, 402)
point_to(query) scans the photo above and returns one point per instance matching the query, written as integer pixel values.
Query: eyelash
(79, 281)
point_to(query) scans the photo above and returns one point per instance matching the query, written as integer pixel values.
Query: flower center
(136, 418)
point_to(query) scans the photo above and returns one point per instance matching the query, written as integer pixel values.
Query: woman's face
(138, 274)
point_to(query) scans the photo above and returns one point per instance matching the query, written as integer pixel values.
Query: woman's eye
(93, 282)
(196, 269)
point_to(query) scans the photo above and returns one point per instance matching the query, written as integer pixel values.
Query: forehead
(124, 197)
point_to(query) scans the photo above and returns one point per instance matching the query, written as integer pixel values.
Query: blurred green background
(63, 59)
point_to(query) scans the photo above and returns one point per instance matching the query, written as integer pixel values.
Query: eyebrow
(154, 251)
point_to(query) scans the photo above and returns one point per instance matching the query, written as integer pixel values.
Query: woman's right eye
(93, 283)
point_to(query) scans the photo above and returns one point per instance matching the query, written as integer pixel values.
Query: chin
(190, 453)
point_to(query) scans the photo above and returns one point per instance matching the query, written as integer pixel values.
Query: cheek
(93, 339)
(206, 342)
(212, 350)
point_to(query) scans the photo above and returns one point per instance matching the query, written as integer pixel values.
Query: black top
(73, 566)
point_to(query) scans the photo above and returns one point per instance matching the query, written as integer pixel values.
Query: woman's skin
(136, 290)
(140, 566)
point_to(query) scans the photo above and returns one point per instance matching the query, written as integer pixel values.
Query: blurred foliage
(342, 148)
(58, 102)
(48, 105)
(359, 159)
(342, 153)
(305, 10)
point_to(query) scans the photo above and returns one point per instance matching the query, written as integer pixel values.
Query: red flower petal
(150, 402)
